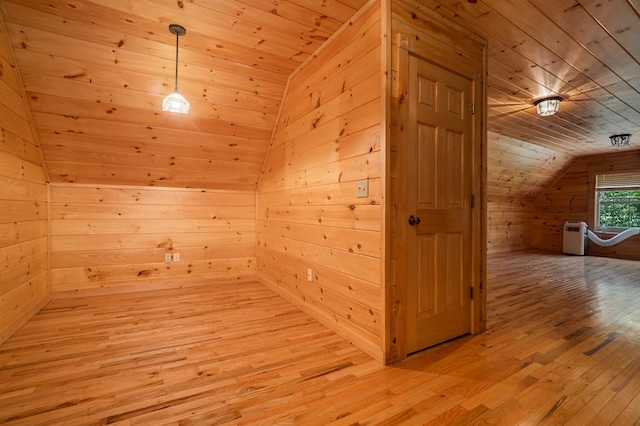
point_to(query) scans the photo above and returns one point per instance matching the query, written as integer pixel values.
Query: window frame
(595, 190)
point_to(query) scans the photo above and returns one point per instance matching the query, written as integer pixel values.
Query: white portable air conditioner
(574, 238)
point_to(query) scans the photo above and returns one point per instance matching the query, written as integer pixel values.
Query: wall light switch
(309, 275)
(363, 188)
(167, 258)
(176, 257)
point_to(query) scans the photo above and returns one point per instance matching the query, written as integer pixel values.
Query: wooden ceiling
(586, 51)
(95, 73)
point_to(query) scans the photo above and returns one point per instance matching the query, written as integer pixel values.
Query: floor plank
(563, 347)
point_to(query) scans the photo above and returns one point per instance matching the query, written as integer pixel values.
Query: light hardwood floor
(563, 347)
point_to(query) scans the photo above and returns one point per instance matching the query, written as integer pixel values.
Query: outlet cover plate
(362, 190)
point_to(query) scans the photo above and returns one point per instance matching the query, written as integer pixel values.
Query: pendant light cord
(177, 38)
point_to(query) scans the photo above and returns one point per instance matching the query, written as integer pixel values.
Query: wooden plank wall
(569, 199)
(24, 279)
(114, 239)
(517, 173)
(519, 170)
(309, 217)
(508, 226)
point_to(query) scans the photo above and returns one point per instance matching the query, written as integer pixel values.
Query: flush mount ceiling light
(175, 102)
(547, 106)
(620, 140)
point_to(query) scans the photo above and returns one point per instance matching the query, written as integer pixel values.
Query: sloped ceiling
(95, 73)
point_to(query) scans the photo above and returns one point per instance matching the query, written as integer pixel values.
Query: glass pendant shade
(175, 102)
(548, 106)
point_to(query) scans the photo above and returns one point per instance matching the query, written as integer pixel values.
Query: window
(617, 201)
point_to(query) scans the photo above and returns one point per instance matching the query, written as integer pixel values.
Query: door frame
(474, 70)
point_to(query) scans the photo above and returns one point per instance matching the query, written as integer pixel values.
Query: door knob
(414, 220)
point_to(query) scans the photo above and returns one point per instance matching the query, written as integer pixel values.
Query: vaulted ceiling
(95, 73)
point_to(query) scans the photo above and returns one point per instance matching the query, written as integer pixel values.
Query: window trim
(593, 204)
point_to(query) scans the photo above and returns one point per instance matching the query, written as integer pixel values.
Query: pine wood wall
(114, 239)
(508, 227)
(517, 173)
(24, 285)
(570, 199)
(309, 217)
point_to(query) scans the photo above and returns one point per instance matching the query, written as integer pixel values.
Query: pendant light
(618, 141)
(547, 106)
(175, 102)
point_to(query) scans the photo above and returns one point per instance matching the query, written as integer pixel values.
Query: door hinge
(473, 107)
(472, 201)
(471, 293)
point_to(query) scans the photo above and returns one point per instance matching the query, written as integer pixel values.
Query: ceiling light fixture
(620, 140)
(175, 102)
(547, 106)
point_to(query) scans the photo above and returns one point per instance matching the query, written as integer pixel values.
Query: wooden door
(439, 184)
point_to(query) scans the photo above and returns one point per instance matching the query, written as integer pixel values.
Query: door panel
(439, 190)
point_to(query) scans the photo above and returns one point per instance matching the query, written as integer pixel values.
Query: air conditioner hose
(614, 240)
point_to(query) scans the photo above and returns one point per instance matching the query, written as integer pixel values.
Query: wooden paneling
(568, 199)
(96, 73)
(309, 217)
(508, 227)
(585, 51)
(24, 251)
(113, 239)
(520, 171)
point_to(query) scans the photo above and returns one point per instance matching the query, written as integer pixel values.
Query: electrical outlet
(309, 275)
(176, 257)
(167, 258)
(362, 190)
